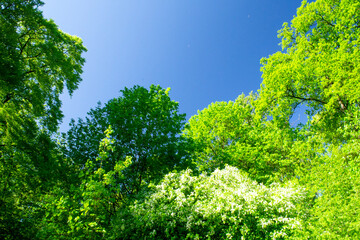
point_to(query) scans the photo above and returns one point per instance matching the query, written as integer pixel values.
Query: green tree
(318, 66)
(84, 211)
(37, 61)
(225, 204)
(228, 133)
(142, 125)
(334, 183)
(146, 127)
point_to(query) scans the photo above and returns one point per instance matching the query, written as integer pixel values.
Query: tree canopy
(134, 169)
(229, 133)
(37, 61)
(318, 66)
(118, 150)
(146, 126)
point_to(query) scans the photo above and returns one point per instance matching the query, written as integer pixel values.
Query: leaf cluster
(225, 204)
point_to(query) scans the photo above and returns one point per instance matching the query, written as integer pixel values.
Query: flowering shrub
(226, 204)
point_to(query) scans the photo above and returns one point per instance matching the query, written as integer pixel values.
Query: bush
(223, 205)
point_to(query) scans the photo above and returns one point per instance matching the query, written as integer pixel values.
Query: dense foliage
(225, 204)
(133, 169)
(318, 67)
(132, 141)
(229, 133)
(146, 127)
(37, 61)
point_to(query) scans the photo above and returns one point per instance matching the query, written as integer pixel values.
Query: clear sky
(204, 50)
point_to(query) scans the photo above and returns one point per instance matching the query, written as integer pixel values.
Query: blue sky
(205, 51)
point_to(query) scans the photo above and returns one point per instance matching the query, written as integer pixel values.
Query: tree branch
(324, 20)
(25, 33)
(8, 97)
(126, 189)
(23, 47)
(303, 99)
(32, 71)
(37, 55)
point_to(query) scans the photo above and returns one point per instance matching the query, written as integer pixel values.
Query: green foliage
(318, 67)
(115, 174)
(86, 210)
(37, 61)
(229, 133)
(146, 127)
(101, 195)
(140, 143)
(333, 182)
(223, 205)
